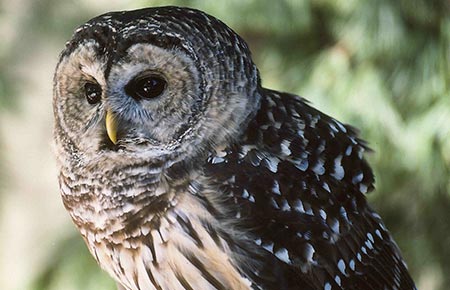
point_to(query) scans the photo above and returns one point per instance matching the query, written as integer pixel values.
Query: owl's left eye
(147, 87)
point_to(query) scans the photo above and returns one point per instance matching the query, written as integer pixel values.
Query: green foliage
(382, 66)
(72, 268)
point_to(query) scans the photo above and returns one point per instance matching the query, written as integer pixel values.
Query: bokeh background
(382, 66)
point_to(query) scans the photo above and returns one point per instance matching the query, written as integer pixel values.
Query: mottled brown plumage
(182, 172)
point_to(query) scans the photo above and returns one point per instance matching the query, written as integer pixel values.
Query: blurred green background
(382, 66)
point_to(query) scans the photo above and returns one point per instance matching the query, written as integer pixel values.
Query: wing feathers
(299, 179)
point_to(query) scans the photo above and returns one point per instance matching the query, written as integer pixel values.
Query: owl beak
(111, 126)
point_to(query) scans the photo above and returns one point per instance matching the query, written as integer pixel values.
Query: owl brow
(102, 35)
(162, 41)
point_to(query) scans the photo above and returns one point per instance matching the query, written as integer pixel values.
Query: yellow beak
(111, 126)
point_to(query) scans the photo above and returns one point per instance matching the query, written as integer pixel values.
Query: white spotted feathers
(299, 184)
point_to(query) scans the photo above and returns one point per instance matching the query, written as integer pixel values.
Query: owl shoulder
(289, 138)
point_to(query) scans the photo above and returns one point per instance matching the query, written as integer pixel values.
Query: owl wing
(296, 182)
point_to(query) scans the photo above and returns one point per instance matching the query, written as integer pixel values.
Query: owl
(182, 172)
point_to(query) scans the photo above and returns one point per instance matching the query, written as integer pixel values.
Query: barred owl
(182, 172)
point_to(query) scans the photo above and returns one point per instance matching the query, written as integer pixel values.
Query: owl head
(151, 82)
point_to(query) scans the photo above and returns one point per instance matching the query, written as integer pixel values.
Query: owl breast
(148, 234)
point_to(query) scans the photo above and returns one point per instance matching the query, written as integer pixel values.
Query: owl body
(182, 172)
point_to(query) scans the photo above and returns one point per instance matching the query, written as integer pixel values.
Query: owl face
(148, 95)
(151, 83)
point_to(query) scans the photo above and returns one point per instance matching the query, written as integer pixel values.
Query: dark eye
(147, 87)
(93, 93)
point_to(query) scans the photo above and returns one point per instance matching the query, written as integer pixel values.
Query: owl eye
(93, 93)
(147, 87)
